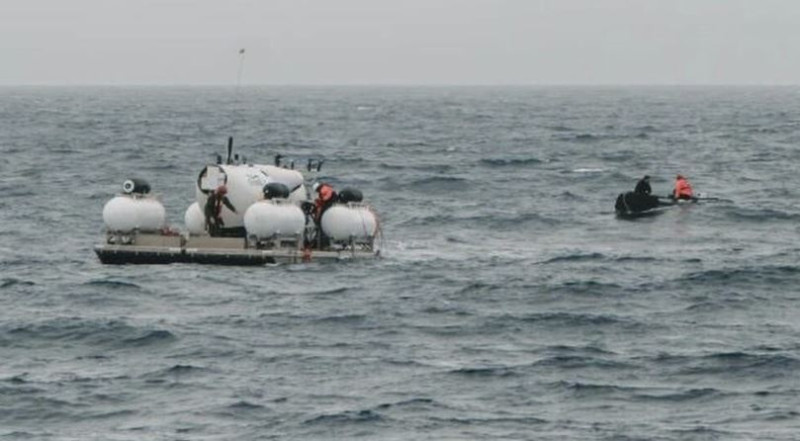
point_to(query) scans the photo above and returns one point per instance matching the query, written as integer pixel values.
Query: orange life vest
(683, 189)
(326, 195)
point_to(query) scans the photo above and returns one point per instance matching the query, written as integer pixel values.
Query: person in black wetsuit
(213, 210)
(643, 186)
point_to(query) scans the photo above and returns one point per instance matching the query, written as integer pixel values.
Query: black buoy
(350, 195)
(135, 186)
(275, 190)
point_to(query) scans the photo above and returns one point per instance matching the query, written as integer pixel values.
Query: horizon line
(532, 85)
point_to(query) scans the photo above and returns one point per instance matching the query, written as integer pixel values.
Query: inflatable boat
(631, 204)
(268, 217)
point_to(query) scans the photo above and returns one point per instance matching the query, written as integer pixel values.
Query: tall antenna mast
(241, 66)
(236, 103)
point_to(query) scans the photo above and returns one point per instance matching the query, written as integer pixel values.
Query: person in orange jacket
(325, 198)
(683, 190)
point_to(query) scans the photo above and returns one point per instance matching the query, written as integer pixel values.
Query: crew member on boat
(326, 196)
(643, 186)
(683, 190)
(213, 209)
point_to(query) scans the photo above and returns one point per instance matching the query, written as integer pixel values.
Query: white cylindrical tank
(299, 194)
(245, 184)
(125, 213)
(194, 219)
(342, 222)
(269, 218)
(285, 176)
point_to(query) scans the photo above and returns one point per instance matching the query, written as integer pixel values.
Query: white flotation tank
(343, 222)
(125, 213)
(194, 220)
(266, 219)
(245, 184)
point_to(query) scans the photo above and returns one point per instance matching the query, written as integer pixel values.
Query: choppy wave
(482, 222)
(762, 215)
(585, 362)
(437, 184)
(429, 168)
(737, 364)
(679, 396)
(347, 417)
(149, 338)
(496, 371)
(72, 330)
(174, 372)
(113, 284)
(747, 275)
(590, 391)
(10, 282)
(733, 365)
(578, 257)
(510, 162)
(588, 170)
(564, 319)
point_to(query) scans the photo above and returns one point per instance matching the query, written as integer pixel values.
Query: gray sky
(400, 41)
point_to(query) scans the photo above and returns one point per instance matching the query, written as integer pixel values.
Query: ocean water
(510, 302)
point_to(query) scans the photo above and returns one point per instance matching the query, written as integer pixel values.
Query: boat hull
(634, 205)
